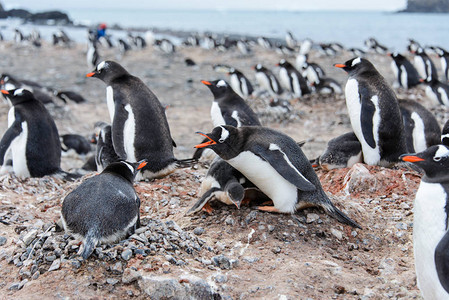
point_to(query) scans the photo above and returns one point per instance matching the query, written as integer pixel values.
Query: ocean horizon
(349, 28)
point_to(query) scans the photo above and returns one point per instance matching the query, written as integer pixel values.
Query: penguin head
(17, 96)
(356, 65)
(125, 169)
(217, 87)
(102, 131)
(396, 55)
(284, 64)
(223, 140)
(107, 71)
(235, 192)
(259, 68)
(434, 161)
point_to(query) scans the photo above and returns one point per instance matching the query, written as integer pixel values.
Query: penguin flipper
(442, 261)
(280, 162)
(11, 133)
(230, 120)
(207, 196)
(173, 143)
(118, 134)
(366, 119)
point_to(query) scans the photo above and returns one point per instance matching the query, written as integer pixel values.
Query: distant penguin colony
(405, 73)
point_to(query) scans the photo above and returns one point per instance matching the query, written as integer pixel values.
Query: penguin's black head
(284, 64)
(259, 68)
(223, 140)
(434, 161)
(102, 131)
(356, 65)
(107, 71)
(396, 56)
(125, 169)
(235, 192)
(218, 87)
(17, 96)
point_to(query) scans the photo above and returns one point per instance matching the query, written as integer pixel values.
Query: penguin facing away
(267, 80)
(240, 84)
(374, 113)
(424, 65)
(292, 79)
(276, 165)
(406, 75)
(104, 208)
(430, 222)
(32, 139)
(139, 126)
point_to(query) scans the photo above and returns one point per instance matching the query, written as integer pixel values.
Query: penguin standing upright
(267, 81)
(8, 82)
(240, 84)
(437, 91)
(139, 126)
(430, 222)
(444, 60)
(424, 65)
(292, 79)
(290, 40)
(92, 56)
(104, 153)
(32, 139)
(406, 75)
(228, 108)
(104, 208)
(421, 128)
(276, 165)
(374, 113)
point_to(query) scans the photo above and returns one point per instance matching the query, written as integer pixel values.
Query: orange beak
(340, 65)
(412, 158)
(141, 165)
(210, 142)
(206, 82)
(421, 80)
(5, 92)
(389, 54)
(90, 74)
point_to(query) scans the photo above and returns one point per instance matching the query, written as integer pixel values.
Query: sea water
(349, 28)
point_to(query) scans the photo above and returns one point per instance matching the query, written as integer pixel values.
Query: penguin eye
(438, 158)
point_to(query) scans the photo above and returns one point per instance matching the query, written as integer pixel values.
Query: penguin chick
(343, 151)
(76, 142)
(430, 222)
(105, 153)
(276, 165)
(104, 208)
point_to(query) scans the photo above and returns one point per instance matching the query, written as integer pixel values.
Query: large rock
(359, 179)
(187, 287)
(43, 17)
(433, 6)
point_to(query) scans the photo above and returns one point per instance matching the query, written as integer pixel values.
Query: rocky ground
(231, 254)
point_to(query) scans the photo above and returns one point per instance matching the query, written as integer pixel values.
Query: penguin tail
(207, 196)
(186, 163)
(89, 244)
(60, 174)
(339, 215)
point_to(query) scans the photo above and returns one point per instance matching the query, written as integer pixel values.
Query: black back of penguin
(424, 65)
(293, 79)
(373, 91)
(43, 147)
(437, 91)
(104, 153)
(240, 84)
(104, 208)
(420, 126)
(268, 80)
(407, 76)
(152, 138)
(233, 108)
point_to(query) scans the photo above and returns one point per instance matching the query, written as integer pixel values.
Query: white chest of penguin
(429, 227)
(267, 179)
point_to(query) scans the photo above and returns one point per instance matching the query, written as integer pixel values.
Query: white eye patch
(224, 135)
(221, 83)
(356, 61)
(101, 66)
(441, 152)
(18, 92)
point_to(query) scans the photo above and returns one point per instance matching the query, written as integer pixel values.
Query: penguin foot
(268, 209)
(207, 208)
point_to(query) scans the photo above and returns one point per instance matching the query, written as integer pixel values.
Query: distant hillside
(427, 6)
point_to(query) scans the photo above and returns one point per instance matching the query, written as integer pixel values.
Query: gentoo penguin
(69, 95)
(405, 73)
(374, 113)
(327, 86)
(104, 208)
(424, 65)
(264, 42)
(420, 126)
(437, 91)
(290, 40)
(18, 36)
(92, 56)
(243, 46)
(430, 222)
(223, 183)
(165, 46)
(240, 84)
(312, 72)
(123, 47)
(374, 45)
(228, 108)
(8, 82)
(357, 52)
(139, 126)
(276, 165)
(343, 151)
(75, 142)
(445, 134)
(32, 139)
(413, 46)
(326, 49)
(444, 60)
(292, 79)
(267, 81)
(105, 153)
(305, 47)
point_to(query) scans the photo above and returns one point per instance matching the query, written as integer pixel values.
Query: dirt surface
(309, 256)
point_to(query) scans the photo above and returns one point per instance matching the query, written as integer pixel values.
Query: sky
(301, 5)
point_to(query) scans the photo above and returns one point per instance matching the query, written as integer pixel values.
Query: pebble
(55, 265)
(337, 233)
(198, 231)
(404, 205)
(251, 216)
(250, 260)
(2, 240)
(402, 226)
(29, 236)
(220, 278)
(271, 228)
(36, 275)
(229, 220)
(18, 285)
(130, 275)
(112, 281)
(127, 254)
(276, 250)
(224, 262)
(312, 218)
(117, 268)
